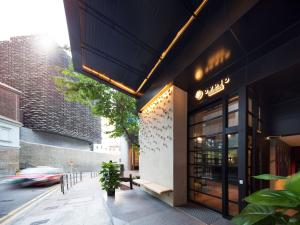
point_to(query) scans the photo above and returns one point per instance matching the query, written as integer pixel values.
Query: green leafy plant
(273, 207)
(110, 177)
(104, 101)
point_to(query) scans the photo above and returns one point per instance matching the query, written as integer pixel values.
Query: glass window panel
(232, 170)
(195, 158)
(259, 128)
(209, 201)
(249, 157)
(233, 192)
(233, 104)
(233, 115)
(206, 115)
(210, 187)
(212, 142)
(233, 140)
(195, 144)
(232, 158)
(249, 142)
(250, 105)
(249, 174)
(250, 120)
(206, 128)
(191, 195)
(233, 209)
(233, 119)
(212, 127)
(196, 171)
(191, 183)
(206, 156)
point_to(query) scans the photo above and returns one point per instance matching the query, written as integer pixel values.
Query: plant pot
(111, 192)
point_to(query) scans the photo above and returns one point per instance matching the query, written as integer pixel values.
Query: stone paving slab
(204, 214)
(86, 204)
(83, 204)
(136, 207)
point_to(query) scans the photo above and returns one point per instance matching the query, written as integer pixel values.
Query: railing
(128, 179)
(68, 180)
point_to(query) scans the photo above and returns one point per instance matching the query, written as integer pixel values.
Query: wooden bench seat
(157, 188)
(140, 181)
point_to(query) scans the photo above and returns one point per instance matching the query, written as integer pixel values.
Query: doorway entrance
(213, 156)
(274, 126)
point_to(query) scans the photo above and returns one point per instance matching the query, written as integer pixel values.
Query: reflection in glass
(233, 114)
(233, 119)
(250, 120)
(205, 165)
(206, 115)
(206, 128)
(250, 105)
(233, 209)
(233, 173)
(233, 104)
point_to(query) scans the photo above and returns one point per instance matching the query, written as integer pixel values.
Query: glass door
(213, 157)
(205, 157)
(232, 155)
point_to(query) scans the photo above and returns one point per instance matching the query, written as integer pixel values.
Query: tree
(118, 108)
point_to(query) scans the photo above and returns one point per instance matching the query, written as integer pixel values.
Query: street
(12, 197)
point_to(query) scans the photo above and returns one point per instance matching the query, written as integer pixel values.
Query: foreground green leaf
(269, 177)
(293, 184)
(254, 214)
(279, 198)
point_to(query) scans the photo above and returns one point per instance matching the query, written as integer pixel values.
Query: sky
(27, 17)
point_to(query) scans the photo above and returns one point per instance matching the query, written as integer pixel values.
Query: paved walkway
(86, 204)
(136, 207)
(83, 204)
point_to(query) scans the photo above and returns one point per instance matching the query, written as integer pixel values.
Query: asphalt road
(12, 198)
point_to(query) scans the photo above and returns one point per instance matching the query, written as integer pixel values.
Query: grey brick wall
(41, 137)
(26, 66)
(9, 160)
(32, 155)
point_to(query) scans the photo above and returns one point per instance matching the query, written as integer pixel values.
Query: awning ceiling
(123, 39)
(120, 41)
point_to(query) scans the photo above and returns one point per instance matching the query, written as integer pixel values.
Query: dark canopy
(120, 41)
(124, 39)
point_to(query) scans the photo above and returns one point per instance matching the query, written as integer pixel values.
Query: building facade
(28, 64)
(242, 112)
(9, 129)
(217, 88)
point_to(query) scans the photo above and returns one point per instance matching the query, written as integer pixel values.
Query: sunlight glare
(47, 17)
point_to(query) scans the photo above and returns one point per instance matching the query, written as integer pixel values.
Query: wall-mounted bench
(157, 188)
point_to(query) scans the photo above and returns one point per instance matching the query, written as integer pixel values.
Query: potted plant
(273, 207)
(110, 177)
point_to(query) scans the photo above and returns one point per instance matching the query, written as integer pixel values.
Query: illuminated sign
(215, 60)
(212, 90)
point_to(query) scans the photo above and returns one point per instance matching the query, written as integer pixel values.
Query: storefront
(237, 130)
(220, 102)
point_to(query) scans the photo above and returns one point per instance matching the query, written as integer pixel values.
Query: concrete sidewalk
(136, 207)
(83, 204)
(86, 204)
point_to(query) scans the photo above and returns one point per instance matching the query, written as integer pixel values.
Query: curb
(10, 216)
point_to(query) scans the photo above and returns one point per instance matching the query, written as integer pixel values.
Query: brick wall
(32, 155)
(9, 160)
(25, 64)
